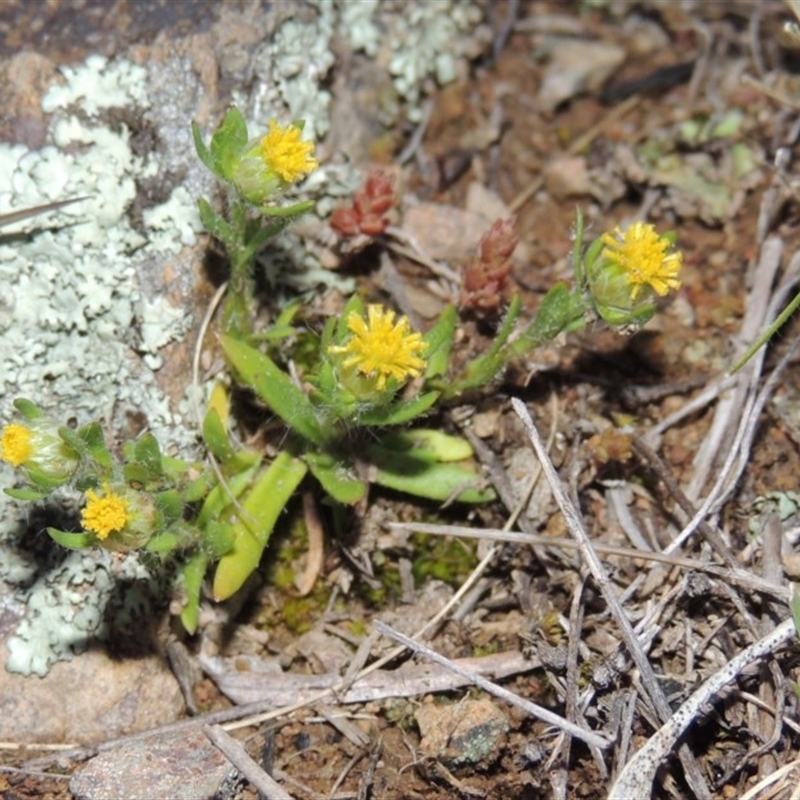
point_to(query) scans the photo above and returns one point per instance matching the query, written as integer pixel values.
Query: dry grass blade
(730, 404)
(636, 778)
(589, 555)
(236, 754)
(35, 211)
(592, 739)
(738, 577)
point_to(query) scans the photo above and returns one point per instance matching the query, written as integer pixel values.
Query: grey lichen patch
(77, 333)
(291, 69)
(73, 604)
(423, 41)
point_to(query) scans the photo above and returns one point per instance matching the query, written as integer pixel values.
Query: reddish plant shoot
(485, 283)
(367, 213)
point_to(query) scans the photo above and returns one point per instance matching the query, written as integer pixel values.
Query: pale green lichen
(69, 318)
(427, 41)
(94, 85)
(292, 68)
(72, 604)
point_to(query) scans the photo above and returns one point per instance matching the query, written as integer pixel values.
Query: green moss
(442, 558)
(490, 649)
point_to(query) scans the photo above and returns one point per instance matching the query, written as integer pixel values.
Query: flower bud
(39, 453)
(611, 295)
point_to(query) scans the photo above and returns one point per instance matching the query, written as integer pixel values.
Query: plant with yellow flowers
(346, 395)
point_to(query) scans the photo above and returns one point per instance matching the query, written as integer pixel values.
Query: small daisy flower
(285, 153)
(121, 518)
(382, 348)
(38, 452)
(645, 258)
(271, 164)
(104, 514)
(16, 444)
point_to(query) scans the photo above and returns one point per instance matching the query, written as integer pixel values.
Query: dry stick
(695, 404)
(27, 213)
(316, 544)
(730, 404)
(591, 738)
(758, 791)
(237, 755)
(738, 576)
(740, 449)
(575, 526)
(711, 535)
(636, 779)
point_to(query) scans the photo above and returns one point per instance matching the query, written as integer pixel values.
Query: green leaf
(72, 541)
(228, 143)
(25, 494)
(214, 223)
(165, 542)
(288, 211)
(483, 369)
(92, 436)
(170, 504)
(216, 437)
(220, 497)
(198, 488)
(28, 409)
(398, 412)
(148, 454)
(262, 233)
(429, 445)
(192, 574)
(136, 473)
(440, 343)
(407, 472)
(203, 153)
(218, 538)
(262, 507)
(275, 388)
(335, 478)
(561, 310)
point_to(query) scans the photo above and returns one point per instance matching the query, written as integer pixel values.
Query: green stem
(767, 334)
(237, 312)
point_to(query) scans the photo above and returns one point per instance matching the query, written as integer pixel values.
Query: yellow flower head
(16, 444)
(382, 347)
(644, 257)
(39, 452)
(104, 515)
(285, 154)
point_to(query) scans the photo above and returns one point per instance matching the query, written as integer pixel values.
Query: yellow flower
(644, 257)
(285, 153)
(16, 444)
(382, 347)
(104, 515)
(40, 454)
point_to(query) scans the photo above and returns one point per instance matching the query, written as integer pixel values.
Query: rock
(567, 177)
(90, 699)
(181, 766)
(576, 67)
(469, 733)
